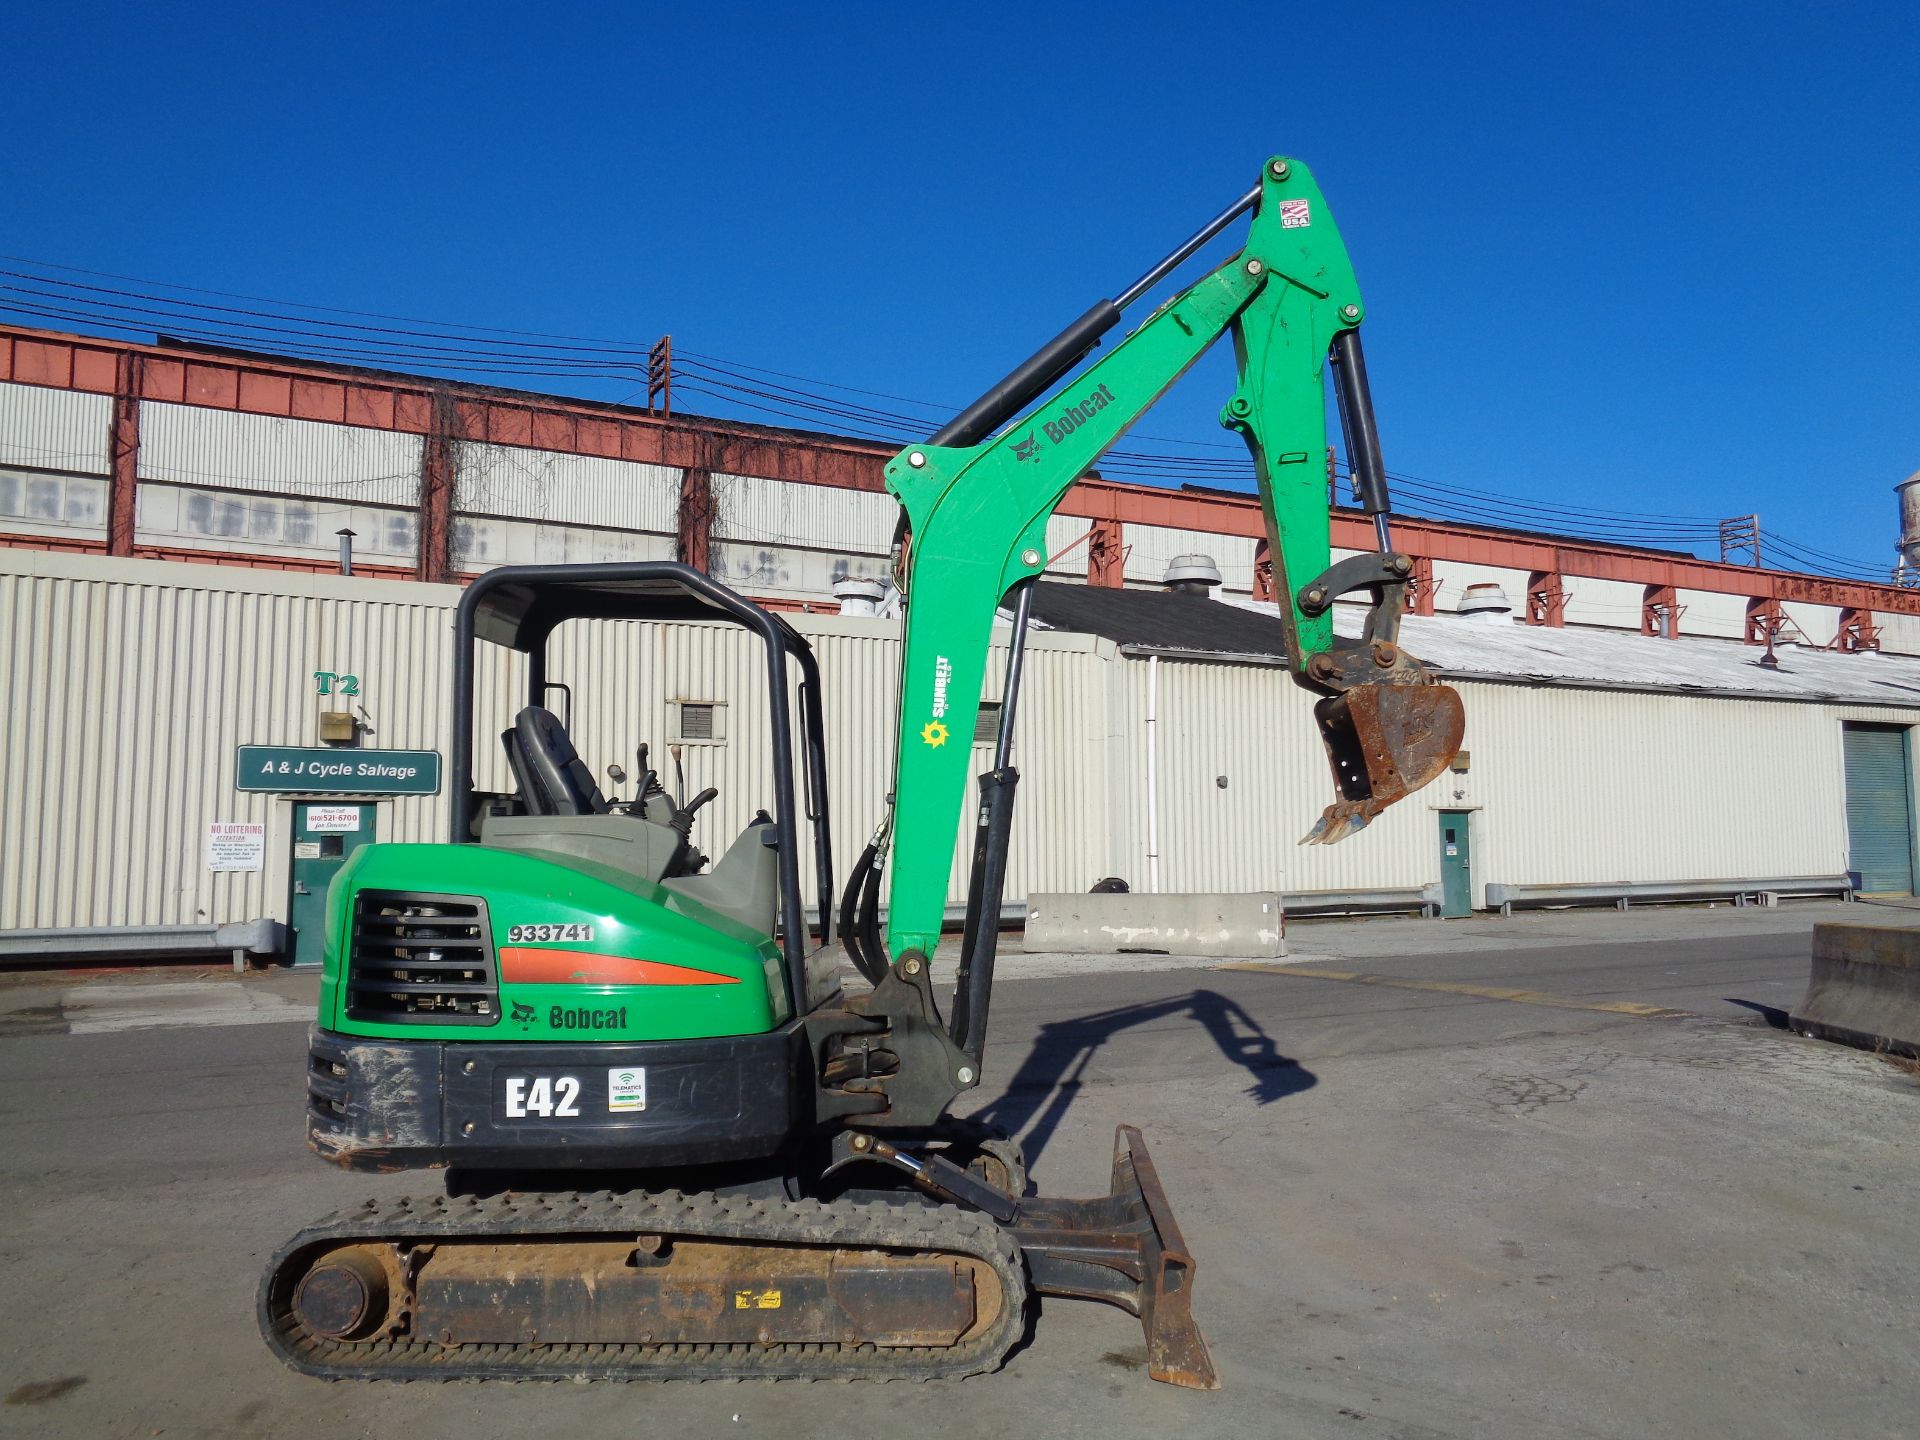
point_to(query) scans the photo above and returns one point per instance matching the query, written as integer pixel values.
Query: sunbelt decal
(934, 732)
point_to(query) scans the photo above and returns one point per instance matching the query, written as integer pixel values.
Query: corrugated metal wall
(516, 482)
(1252, 727)
(816, 517)
(1151, 548)
(54, 429)
(134, 681)
(227, 449)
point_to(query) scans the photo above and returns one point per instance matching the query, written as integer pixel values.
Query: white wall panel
(1068, 533)
(763, 512)
(515, 482)
(41, 503)
(1253, 727)
(1151, 548)
(1713, 612)
(225, 449)
(1817, 624)
(786, 573)
(1452, 577)
(481, 544)
(1612, 603)
(193, 518)
(1899, 634)
(44, 429)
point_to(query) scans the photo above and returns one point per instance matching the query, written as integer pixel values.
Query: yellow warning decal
(756, 1299)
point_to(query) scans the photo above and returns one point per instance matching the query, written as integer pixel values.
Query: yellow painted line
(1453, 987)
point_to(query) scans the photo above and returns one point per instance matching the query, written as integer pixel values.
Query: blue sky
(1658, 259)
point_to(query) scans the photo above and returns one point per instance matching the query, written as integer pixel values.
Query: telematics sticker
(532, 934)
(627, 1089)
(1294, 215)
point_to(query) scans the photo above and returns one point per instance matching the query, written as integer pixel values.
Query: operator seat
(553, 779)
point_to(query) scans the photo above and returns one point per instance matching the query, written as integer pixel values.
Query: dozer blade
(1384, 742)
(1124, 1248)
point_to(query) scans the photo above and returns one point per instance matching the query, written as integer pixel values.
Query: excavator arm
(977, 499)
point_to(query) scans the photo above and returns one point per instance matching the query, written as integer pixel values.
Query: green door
(1879, 808)
(1456, 865)
(324, 834)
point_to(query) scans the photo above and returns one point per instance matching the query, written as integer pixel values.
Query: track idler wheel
(346, 1294)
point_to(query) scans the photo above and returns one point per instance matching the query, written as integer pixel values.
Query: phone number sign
(300, 770)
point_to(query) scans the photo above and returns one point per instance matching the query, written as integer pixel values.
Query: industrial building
(170, 592)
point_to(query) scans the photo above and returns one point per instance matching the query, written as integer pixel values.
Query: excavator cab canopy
(518, 607)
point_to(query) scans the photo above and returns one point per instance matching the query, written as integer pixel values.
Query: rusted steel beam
(433, 560)
(1660, 612)
(1107, 555)
(693, 523)
(123, 456)
(1420, 589)
(1764, 620)
(1546, 599)
(1857, 631)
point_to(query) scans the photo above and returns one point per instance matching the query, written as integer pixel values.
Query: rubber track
(863, 1225)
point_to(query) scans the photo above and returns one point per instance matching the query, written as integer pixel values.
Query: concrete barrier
(1228, 926)
(1864, 988)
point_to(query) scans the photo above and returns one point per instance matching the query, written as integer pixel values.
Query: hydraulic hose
(851, 934)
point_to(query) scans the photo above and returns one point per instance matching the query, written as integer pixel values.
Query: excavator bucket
(1384, 741)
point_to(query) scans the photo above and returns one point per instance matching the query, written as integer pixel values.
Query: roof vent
(859, 597)
(1192, 575)
(1487, 604)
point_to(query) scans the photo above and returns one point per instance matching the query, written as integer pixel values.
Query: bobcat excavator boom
(677, 1148)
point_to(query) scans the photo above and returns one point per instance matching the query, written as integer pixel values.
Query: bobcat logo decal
(522, 1014)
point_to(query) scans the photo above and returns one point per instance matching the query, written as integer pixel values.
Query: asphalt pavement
(1551, 1175)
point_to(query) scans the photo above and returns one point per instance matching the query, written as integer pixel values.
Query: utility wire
(40, 290)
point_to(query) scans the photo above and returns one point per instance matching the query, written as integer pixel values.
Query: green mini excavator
(677, 1145)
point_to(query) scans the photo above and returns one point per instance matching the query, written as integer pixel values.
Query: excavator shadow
(1049, 1079)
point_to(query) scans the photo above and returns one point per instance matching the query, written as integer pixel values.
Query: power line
(136, 306)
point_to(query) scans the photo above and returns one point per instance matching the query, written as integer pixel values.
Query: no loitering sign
(236, 845)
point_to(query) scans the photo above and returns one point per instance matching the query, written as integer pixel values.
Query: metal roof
(1234, 628)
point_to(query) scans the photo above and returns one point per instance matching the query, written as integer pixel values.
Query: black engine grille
(422, 959)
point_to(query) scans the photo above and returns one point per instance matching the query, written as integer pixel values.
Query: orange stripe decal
(523, 965)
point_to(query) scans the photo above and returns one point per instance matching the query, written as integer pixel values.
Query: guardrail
(1424, 898)
(1623, 894)
(137, 942)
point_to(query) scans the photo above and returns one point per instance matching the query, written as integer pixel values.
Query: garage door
(1879, 813)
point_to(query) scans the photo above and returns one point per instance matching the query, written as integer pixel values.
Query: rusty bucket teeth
(1337, 822)
(1384, 741)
